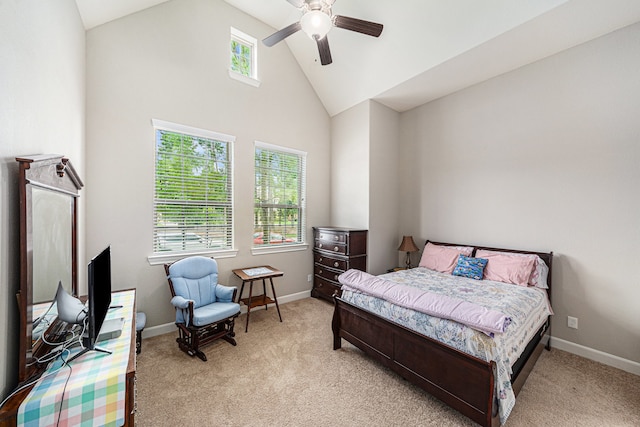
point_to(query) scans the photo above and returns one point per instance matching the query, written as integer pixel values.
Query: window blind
(193, 202)
(280, 193)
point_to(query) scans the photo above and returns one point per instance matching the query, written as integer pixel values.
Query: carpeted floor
(287, 374)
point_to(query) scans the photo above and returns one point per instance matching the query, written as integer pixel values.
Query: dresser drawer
(329, 261)
(324, 288)
(331, 237)
(338, 248)
(327, 273)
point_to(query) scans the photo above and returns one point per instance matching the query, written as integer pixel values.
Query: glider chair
(205, 310)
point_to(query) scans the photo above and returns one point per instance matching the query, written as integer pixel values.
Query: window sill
(157, 259)
(244, 79)
(279, 249)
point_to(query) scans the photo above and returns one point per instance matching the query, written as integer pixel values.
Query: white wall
(171, 62)
(41, 111)
(350, 168)
(384, 189)
(364, 178)
(544, 158)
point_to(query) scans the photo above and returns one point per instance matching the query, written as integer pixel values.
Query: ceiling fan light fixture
(316, 21)
(316, 24)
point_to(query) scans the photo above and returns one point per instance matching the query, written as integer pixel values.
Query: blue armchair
(205, 309)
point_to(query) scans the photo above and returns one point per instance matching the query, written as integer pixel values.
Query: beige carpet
(286, 374)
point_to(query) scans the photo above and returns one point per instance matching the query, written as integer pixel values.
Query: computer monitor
(98, 301)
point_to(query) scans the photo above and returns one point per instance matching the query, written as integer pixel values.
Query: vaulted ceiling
(428, 48)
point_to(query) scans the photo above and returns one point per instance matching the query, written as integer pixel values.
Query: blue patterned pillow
(470, 267)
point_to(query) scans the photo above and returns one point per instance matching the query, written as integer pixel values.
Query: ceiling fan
(317, 20)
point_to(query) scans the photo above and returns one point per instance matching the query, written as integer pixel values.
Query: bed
(471, 382)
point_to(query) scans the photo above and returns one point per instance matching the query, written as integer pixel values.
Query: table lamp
(408, 246)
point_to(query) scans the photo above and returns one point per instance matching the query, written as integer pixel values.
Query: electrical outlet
(572, 322)
(309, 277)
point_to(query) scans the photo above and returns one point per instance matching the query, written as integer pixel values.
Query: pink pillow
(508, 267)
(442, 258)
(540, 270)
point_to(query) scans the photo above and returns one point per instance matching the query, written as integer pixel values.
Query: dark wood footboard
(463, 382)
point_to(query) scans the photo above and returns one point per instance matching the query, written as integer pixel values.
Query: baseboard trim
(171, 327)
(596, 355)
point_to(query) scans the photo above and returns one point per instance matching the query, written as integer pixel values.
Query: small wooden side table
(251, 274)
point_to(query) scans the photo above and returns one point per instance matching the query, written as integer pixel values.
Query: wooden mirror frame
(56, 174)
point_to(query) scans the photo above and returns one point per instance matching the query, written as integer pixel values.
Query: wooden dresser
(336, 250)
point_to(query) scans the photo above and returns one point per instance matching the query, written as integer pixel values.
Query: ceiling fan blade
(358, 25)
(297, 3)
(323, 49)
(282, 34)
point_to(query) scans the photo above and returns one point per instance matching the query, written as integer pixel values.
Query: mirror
(52, 250)
(49, 188)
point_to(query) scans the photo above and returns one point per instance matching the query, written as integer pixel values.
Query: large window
(193, 203)
(279, 201)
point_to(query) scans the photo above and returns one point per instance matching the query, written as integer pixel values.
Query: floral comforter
(528, 308)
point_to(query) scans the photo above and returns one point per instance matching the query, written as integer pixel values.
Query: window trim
(163, 258)
(279, 249)
(291, 247)
(203, 133)
(157, 259)
(246, 39)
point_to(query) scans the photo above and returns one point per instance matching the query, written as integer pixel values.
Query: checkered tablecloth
(91, 390)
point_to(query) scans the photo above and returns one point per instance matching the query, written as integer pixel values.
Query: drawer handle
(335, 277)
(320, 271)
(320, 245)
(336, 264)
(320, 259)
(336, 249)
(336, 238)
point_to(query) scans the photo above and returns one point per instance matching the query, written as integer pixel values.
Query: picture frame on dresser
(336, 250)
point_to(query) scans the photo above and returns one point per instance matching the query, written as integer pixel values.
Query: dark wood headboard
(547, 257)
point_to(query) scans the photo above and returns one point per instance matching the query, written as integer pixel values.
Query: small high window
(244, 57)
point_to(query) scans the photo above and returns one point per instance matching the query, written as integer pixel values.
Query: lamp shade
(408, 245)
